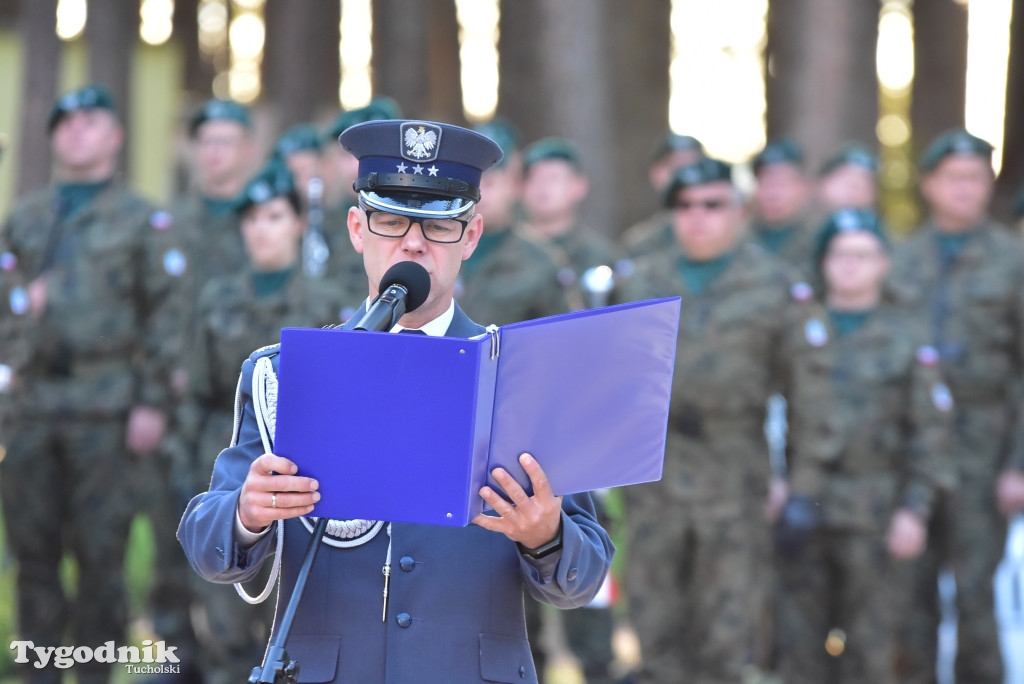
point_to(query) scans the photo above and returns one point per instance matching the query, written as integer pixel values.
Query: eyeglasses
(706, 205)
(444, 231)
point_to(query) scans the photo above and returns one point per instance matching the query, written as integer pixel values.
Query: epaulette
(269, 350)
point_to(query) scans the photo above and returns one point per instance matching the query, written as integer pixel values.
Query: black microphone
(403, 288)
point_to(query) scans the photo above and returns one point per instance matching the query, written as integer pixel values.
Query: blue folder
(407, 428)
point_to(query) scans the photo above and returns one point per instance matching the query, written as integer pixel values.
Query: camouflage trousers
(696, 581)
(842, 580)
(968, 536)
(65, 487)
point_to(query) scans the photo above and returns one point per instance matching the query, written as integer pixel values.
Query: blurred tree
(198, 73)
(639, 51)
(940, 69)
(1011, 178)
(37, 27)
(112, 30)
(520, 65)
(416, 57)
(822, 83)
(300, 60)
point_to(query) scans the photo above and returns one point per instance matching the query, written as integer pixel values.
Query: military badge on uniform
(420, 141)
(927, 355)
(8, 261)
(801, 292)
(815, 332)
(19, 301)
(175, 262)
(160, 220)
(942, 398)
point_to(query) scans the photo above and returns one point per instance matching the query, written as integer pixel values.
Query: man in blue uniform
(454, 608)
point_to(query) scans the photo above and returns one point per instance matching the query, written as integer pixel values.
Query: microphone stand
(277, 667)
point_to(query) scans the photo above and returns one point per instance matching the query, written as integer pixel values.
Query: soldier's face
(223, 152)
(499, 191)
(86, 139)
(304, 166)
(849, 186)
(442, 261)
(781, 194)
(707, 219)
(855, 264)
(958, 190)
(552, 189)
(272, 232)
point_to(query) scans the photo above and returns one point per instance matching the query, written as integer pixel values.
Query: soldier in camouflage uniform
(554, 187)
(655, 232)
(235, 313)
(340, 169)
(872, 504)
(510, 277)
(781, 206)
(100, 308)
(698, 564)
(848, 179)
(965, 275)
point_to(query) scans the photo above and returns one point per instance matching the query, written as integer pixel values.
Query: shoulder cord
(340, 533)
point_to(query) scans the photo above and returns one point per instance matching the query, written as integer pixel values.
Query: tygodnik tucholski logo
(151, 658)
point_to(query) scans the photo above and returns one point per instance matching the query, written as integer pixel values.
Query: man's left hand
(146, 426)
(1010, 492)
(530, 520)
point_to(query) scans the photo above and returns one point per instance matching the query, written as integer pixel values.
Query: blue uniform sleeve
(572, 577)
(206, 531)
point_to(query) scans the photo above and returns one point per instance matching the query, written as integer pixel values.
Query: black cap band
(417, 182)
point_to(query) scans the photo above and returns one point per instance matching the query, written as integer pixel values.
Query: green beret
(504, 134)
(778, 152)
(955, 141)
(674, 142)
(853, 154)
(702, 172)
(219, 110)
(87, 97)
(379, 109)
(850, 221)
(300, 138)
(560, 149)
(273, 180)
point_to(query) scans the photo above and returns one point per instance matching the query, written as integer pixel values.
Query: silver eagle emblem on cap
(420, 141)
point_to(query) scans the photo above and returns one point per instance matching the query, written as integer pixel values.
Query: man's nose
(414, 240)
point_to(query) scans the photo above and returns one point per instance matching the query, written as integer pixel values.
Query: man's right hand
(272, 491)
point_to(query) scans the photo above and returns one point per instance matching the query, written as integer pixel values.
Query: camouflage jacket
(750, 334)
(974, 308)
(516, 281)
(797, 253)
(895, 411)
(653, 234)
(110, 331)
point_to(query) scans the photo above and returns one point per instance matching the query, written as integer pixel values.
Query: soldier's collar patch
(8, 261)
(19, 301)
(815, 332)
(927, 355)
(421, 141)
(942, 398)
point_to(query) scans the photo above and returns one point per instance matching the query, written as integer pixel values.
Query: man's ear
(356, 226)
(473, 232)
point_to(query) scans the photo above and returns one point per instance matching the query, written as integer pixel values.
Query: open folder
(407, 428)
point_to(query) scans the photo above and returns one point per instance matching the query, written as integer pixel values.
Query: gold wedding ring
(273, 500)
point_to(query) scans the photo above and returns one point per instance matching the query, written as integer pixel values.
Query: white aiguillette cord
(343, 533)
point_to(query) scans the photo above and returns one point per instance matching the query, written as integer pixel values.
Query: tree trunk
(37, 25)
(940, 69)
(416, 57)
(821, 86)
(640, 51)
(111, 31)
(520, 99)
(197, 73)
(1011, 178)
(300, 60)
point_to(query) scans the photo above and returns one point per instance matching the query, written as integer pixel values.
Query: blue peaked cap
(421, 168)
